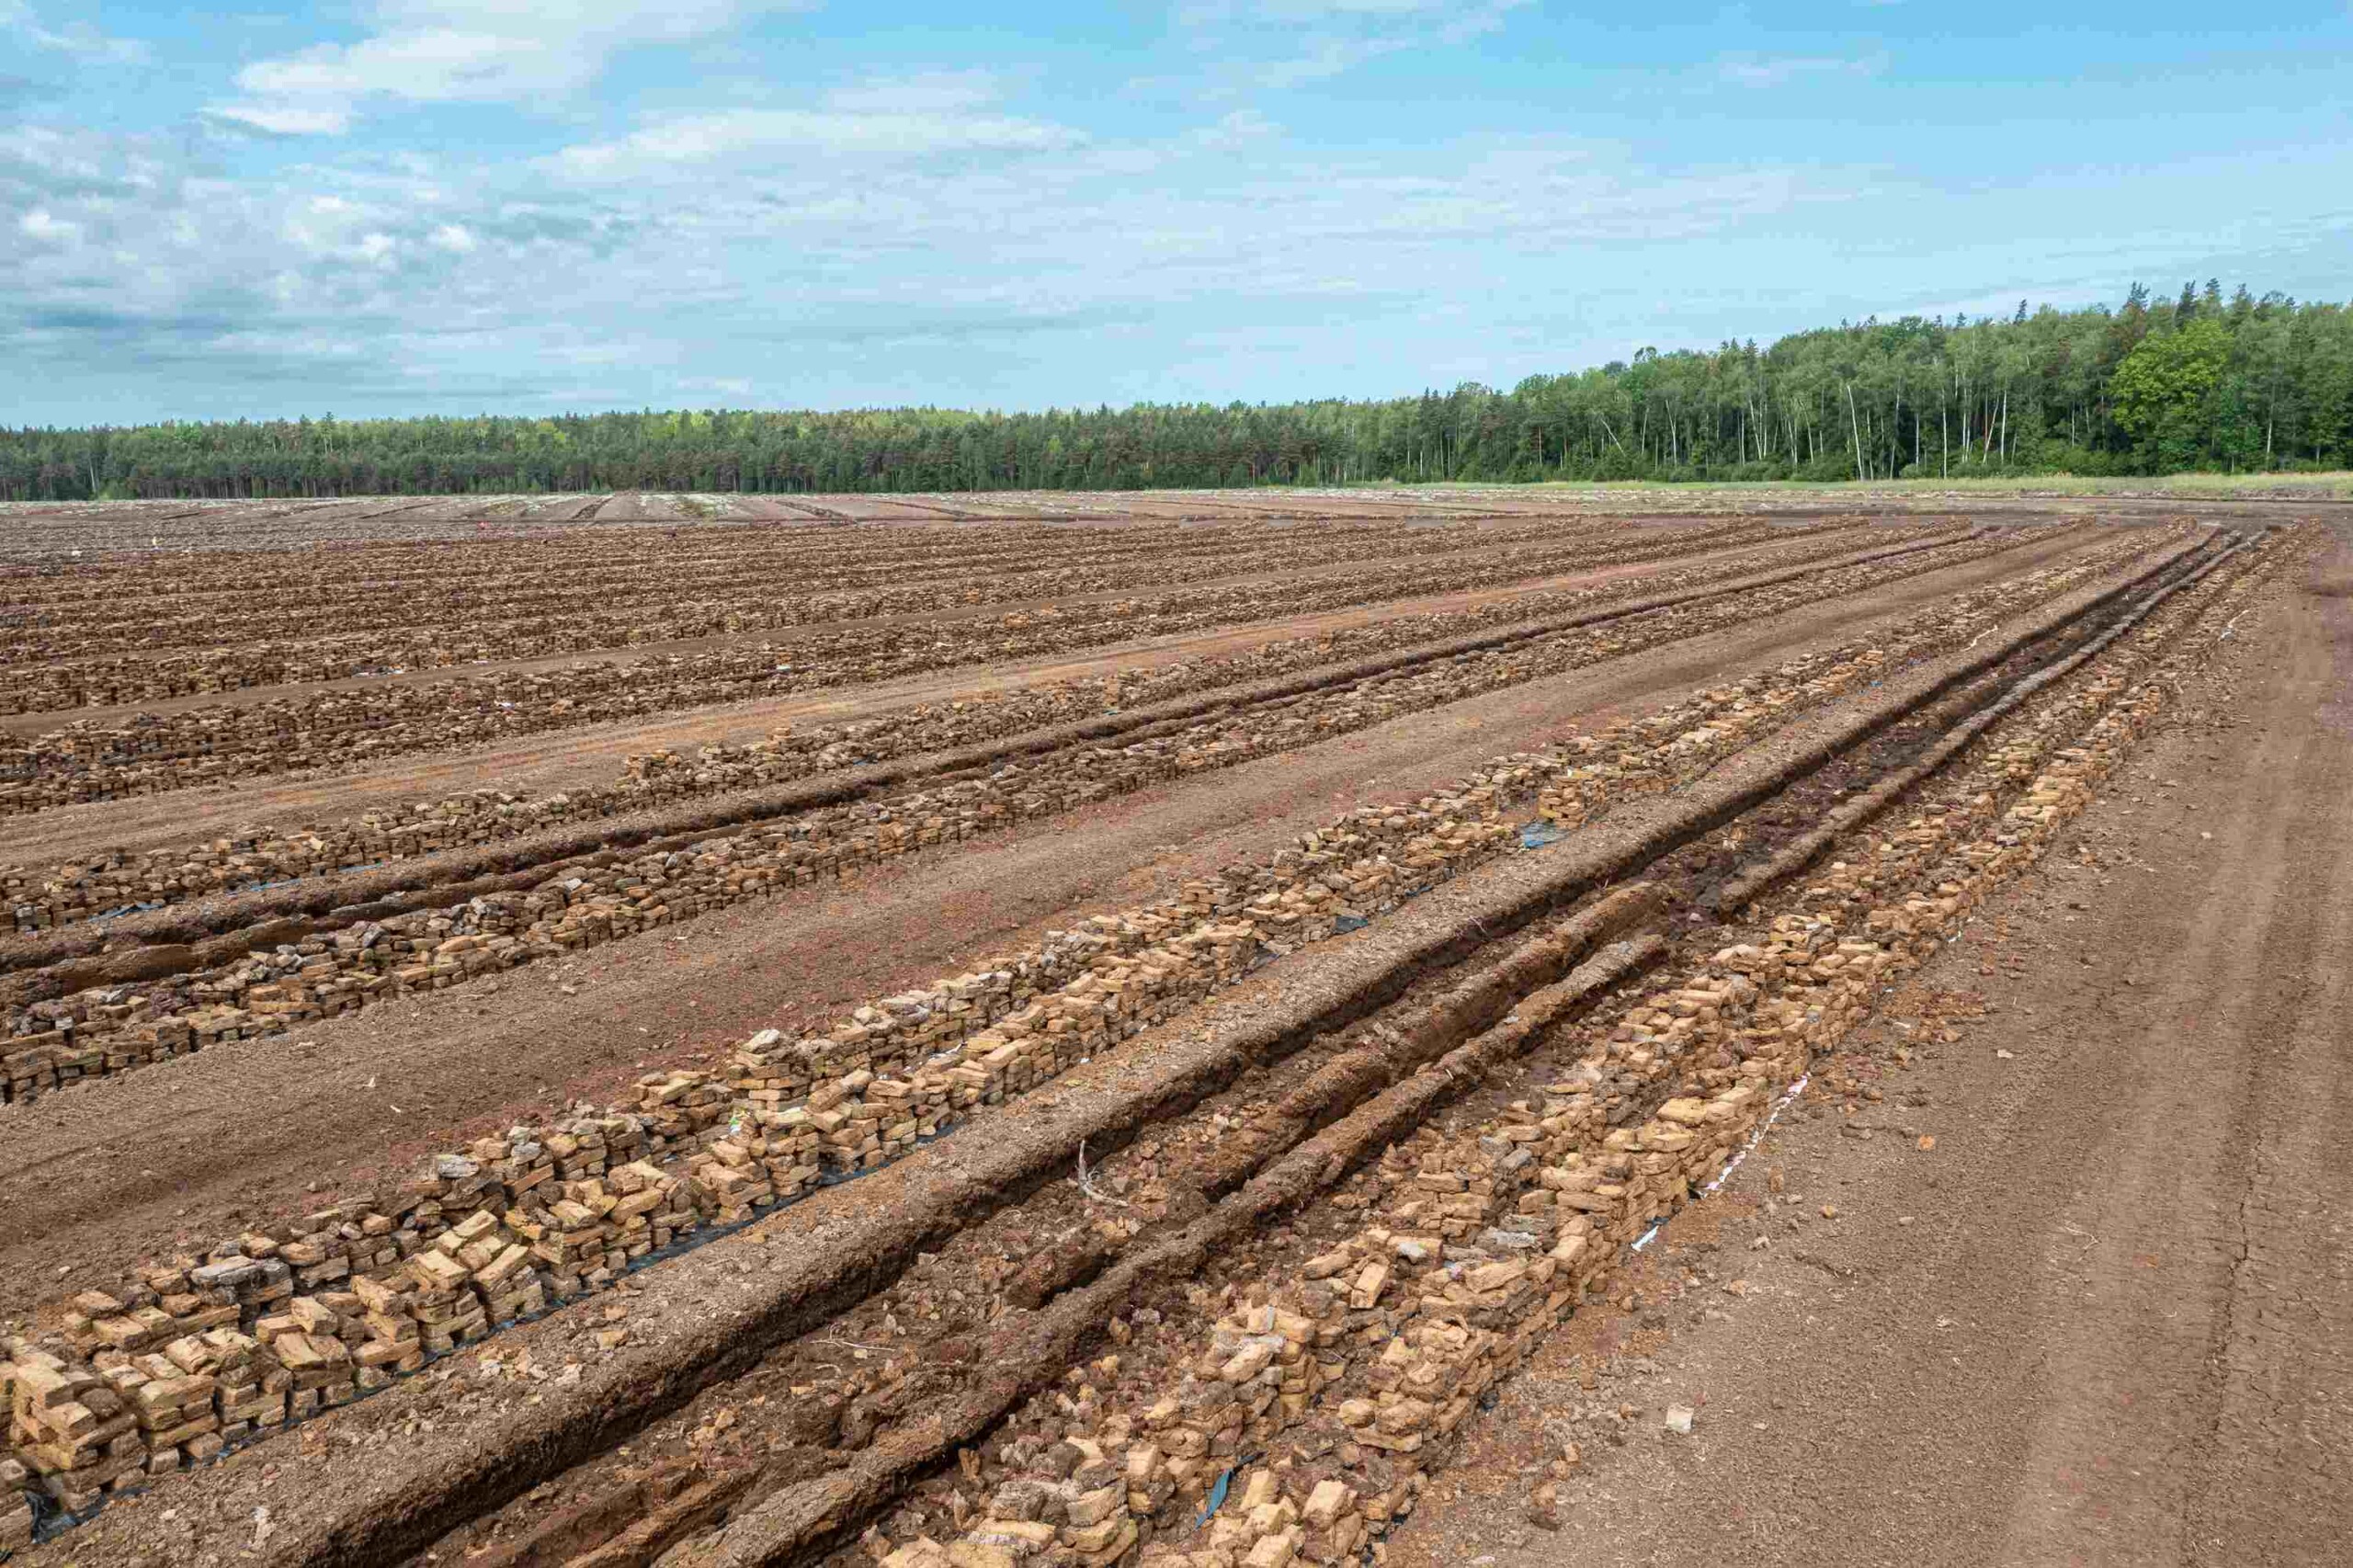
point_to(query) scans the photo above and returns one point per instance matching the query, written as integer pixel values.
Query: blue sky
(453, 206)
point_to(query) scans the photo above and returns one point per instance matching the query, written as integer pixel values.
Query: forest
(2202, 381)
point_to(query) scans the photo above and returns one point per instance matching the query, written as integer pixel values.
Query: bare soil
(184, 1147)
(2104, 1319)
(2050, 1265)
(42, 721)
(549, 762)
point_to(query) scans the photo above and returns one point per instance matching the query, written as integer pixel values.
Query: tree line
(2200, 382)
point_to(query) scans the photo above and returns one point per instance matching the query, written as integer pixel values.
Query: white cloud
(1779, 70)
(286, 119)
(1276, 45)
(133, 250)
(1210, 12)
(1233, 131)
(919, 92)
(79, 38)
(706, 137)
(38, 225)
(912, 117)
(426, 52)
(366, 279)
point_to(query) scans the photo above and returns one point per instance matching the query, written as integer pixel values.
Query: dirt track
(2080, 1302)
(2106, 1320)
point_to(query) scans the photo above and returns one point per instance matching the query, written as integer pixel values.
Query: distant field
(2252, 487)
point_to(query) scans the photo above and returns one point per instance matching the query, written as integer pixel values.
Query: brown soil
(2104, 1319)
(35, 723)
(696, 1297)
(559, 760)
(124, 1167)
(2069, 1283)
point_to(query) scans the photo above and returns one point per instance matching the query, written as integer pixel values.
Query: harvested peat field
(1221, 1029)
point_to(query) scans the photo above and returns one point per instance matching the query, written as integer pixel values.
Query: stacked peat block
(1301, 894)
(848, 1130)
(324, 629)
(90, 761)
(249, 1388)
(72, 1431)
(676, 1107)
(28, 1068)
(321, 976)
(1484, 1240)
(172, 1392)
(16, 1484)
(97, 764)
(1546, 1188)
(473, 1271)
(392, 1334)
(1477, 1310)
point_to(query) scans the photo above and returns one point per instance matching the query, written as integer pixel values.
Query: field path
(2108, 1320)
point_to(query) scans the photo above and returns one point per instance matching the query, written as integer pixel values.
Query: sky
(518, 207)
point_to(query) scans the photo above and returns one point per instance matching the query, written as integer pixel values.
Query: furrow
(969, 732)
(171, 998)
(1325, 1392)
(1268, 1354)
(408, 1507)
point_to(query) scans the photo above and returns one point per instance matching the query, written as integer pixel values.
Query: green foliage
(2194, 384)
(2164, 391)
